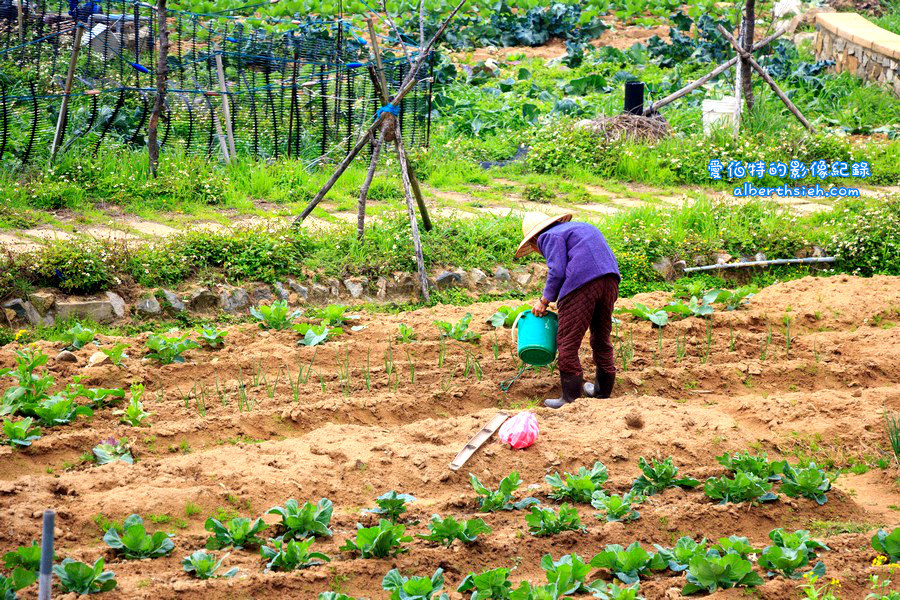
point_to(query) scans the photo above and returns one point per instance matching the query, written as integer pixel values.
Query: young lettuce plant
(335, 596)
(544, 521)
(735, 298)
(24, 557)
(291, 555)
(758, 464)
(445, 531)
(406, 335)
(679, 557)
(382, 541)
(81, 578)
(115, 354)
(458, 331)
(77, 336)
(659, 475)
(314, 335)
(97, 397)
(310, 520)
(169, 350)
(611, 591)
(745, 487)
(791, 552)
(136, 543)
(565, 576)
(888, 543)
(60, 410)
(237, 533)
(18, 579)
(391, 505)
(275, 316)
(204, 565)
(212, 336)
(506, 316)
(334, 315)
(734, 544)
(492, 501)
(628, 564)
(579, 487)
(31, 388)
(710, 572)
(20, 434)
(134, 414)
(658, 318)
(809, 482)
(414, 588)
(493, 584)
(112, 450)
(617, 508)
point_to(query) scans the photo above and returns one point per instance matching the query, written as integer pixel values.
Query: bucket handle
(512, 331)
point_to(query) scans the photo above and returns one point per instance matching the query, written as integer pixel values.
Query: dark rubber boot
(602, 386)
(571, 391)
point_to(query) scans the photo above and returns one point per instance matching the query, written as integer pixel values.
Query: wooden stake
(67, 89)
(478, 440)
(749, 27)
(737, 90)
(364, 190)
(413, 224)
(762, 73)
(162, 72)
(651, 108)
(226, 105)
(212, 113)
(21, 16)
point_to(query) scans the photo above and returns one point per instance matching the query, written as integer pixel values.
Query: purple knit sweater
(576, 254)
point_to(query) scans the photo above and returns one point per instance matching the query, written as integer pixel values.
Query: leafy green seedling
(334, 315)
(134, 414)
(277, 315)
(612, 591)
(566, 575)
(335, 596)
(545, 521)
(445, 531)
(628, 564)
(406, 334)
(617, 508)
(98, 397)
(809, 482)
(115, 354)
(31, 388)
(493, 584)
(791, 552)
(888, 543)
(20, 434)
(211, 336)
(18, 579)
(458, 331)
(391, 505)
(237, 533)
(291, 555)
(679, 557)
(381, 541)
(506, 316)
(135, 542)
(77, 336)
(414, 588)
(711, 572)
(745, 487)
(658, 318)
(112, 450)
(301, 522)
(579, 487)
(81, 578)
(758, 464)
(501, 499)
(168, 350)
(659, 475)
(314, 335)
(734, 299)
(25, 557)
(203, 565)
(734, 544)
(60, 410)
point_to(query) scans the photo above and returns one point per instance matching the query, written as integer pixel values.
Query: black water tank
(634, 97)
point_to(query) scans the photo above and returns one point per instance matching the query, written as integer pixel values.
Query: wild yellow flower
(879, 560)
(20, 333)
(835, 582)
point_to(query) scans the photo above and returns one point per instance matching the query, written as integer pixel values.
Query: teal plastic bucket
(537, 338)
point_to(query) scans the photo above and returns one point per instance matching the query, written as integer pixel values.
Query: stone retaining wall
(44, 307)
(860, 47)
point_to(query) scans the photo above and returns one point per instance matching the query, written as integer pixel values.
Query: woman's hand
(539, 309)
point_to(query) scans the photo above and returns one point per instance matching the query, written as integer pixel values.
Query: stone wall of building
(858, 46)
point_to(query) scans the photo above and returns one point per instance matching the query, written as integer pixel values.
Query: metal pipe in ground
(45, 580)
(763, 263)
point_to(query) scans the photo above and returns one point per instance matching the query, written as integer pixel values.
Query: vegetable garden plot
(300, 89)
(314, 439)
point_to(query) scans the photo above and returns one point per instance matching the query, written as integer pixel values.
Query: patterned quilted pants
(588, 307)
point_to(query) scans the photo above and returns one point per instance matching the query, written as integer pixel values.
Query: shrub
(867, 241)
(562, 145)
(81, 268)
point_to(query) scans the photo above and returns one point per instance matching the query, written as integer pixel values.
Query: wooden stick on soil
(766, 78)
(162, 73)
(226, 104)
(364, 190)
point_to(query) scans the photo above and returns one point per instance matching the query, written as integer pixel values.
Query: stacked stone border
(860, 47)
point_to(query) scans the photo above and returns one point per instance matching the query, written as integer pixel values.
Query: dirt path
(822, 399)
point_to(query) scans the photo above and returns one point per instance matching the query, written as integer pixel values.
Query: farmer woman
(583, 279)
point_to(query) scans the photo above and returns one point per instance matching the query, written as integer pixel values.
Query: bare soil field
(822, 395)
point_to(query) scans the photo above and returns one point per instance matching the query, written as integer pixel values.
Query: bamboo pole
(651, 108)
(748, 32)
(226, 105)
(20, 13)
(762, 73)
(364, 190)
(413, 224)
(67, 90)
(162, 73)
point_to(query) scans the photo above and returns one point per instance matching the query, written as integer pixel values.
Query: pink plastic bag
(521, 431)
